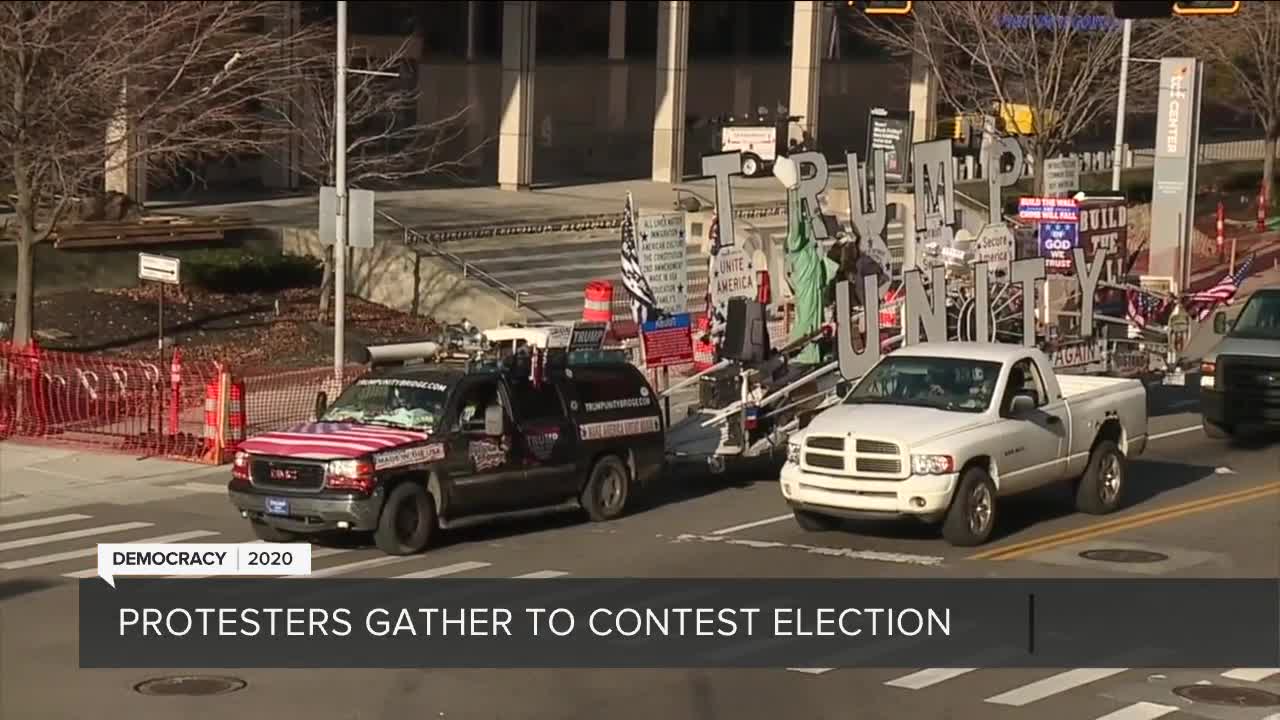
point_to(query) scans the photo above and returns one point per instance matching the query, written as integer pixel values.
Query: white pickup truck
(939, 431)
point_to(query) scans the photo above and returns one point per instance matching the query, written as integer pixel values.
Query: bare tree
(90, 88)
(387, 144)
(1059, 59)
(1243, 50)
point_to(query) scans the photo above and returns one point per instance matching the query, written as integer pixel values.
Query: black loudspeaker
(746, 334)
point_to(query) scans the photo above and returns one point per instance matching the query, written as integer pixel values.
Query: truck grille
(287, 474)
(854, 458)
(1252, 389)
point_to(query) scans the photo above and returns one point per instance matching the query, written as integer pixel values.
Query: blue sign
(673, 322)
(1057, 241)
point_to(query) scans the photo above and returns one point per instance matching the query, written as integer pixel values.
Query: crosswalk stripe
(443, 570)
(211, 488)
(324, 552)
(354, 566)
(91, 551)
(41, 522)
(1250, 674)
(928, 677)
(811, 671)
(72, 535)
(541, 574)
(1052, 685)
(1140, 711)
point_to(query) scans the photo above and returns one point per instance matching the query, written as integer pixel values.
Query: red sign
(667, 342)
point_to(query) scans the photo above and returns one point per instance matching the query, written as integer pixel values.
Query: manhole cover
(1228, 695)
(190, 685)
(1118, 555)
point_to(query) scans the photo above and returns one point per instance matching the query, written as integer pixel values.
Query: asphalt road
(1212, 508)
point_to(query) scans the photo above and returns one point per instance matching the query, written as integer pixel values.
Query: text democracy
(151, 558)
(537, 622)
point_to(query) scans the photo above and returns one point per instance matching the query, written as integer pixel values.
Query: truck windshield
(392, 402)
(1260, 319)
(948, 384)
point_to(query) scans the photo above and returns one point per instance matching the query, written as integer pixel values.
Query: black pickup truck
(408, 450)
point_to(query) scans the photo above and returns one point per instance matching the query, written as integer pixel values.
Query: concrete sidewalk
(38, 478)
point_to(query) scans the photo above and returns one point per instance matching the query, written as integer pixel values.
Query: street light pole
(1118, 160)
(340, 191)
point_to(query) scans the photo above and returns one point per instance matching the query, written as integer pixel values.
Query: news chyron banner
(179, 621)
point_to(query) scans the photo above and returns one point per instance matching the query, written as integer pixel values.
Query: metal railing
(469, 269)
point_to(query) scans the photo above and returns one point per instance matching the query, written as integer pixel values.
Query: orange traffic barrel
(597, 305)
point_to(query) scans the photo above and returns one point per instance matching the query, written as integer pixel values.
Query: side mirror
(495, 421)
(1022, 404)
(322, 404)
(1220, 323)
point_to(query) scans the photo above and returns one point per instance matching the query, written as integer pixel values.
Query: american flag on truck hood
(1203, 303)
(324, 441)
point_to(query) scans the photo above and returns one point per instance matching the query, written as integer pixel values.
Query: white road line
(1251, 674)
(1052, 685)
(91, 551)
(72, 535)
(443, 570)
(757, 523)
(928, 677)
(1140, 711)
(541, 574)
(41, 522)
(211, 488)
(324, 552)
(875, 555)
(1171, 433)
(811, 671)
(354, 566)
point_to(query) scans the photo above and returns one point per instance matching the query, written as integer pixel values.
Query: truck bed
(1081, 387)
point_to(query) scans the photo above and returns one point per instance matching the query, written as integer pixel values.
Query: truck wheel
(972, 515)
(750, 165)
(813, 522)
(608, 488)
(1214, 431)
(266, 533)
(1099, 489)
(407, 522)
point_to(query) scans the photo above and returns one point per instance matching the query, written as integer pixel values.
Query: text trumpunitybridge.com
(535, 622)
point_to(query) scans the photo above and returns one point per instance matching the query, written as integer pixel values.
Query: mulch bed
(259, 330)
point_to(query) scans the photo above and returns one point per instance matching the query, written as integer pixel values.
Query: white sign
(994, 246)
(663, 259)
(160, 268)
(202, 559)
(732, 275)
(360, 217)
(1092, 352)
(1061, 176)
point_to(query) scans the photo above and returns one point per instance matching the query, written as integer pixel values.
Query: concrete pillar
(122, 172)
(515, 132)
(477, 123)
(923, 99)
(618, 68)
(672, 65)
(280, 164)
(807, 45)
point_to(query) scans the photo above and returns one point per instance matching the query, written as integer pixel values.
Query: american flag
(1145, 308)
(1206, 301)
(644, 305)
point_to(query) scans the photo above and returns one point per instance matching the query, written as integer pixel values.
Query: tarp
(808, 271)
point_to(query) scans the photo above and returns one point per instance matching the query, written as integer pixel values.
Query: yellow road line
(1129, 522)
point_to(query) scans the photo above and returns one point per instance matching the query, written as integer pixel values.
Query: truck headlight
(932, 464)
(793, 453)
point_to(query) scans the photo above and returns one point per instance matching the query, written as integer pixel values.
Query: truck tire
(972, 515)
(1102, 484)
(408, 520)
(607, 490)
(751, 165)
(1214, 431)
(267, 533)
(814, 522)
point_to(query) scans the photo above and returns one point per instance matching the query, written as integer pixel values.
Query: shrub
(237, 271)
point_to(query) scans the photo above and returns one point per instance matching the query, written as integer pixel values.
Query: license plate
(277, 506)
(1178, 378)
